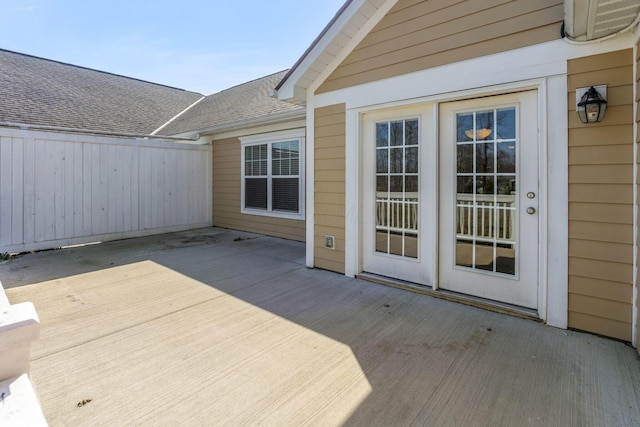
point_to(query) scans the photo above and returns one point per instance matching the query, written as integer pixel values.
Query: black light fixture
(592, 106)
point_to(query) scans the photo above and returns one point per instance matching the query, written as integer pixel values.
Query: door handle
(531, 210)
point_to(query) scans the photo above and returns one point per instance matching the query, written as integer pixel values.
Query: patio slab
(218, 327)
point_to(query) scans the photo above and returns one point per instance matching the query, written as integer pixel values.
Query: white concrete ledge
(19, 327)
(19, 405)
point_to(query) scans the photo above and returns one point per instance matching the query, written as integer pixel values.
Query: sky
(201, 45)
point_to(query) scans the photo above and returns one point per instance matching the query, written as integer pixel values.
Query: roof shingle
(38, 91)
(245, 102)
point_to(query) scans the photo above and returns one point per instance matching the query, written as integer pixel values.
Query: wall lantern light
(591, 103)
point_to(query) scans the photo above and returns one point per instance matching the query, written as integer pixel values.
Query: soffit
(596, 19)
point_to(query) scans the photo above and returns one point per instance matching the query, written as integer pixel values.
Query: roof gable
(38, 91)
(350, 25)
(354, 21)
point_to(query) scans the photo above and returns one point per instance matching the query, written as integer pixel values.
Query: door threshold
(496, 306)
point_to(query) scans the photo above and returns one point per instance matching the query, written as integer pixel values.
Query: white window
(273, 174)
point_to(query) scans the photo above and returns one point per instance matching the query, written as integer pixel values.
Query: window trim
(269, 139)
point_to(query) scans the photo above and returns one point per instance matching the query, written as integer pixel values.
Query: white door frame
(553, 203)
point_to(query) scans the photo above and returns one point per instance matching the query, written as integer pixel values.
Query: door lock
(531, 210)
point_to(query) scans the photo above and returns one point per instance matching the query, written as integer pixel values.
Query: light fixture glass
(479, 133)
(592, 106)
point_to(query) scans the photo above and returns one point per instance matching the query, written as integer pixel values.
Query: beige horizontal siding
(417, 35)
(329, 186)
(637, 100)
(601, 200)
(227, 197)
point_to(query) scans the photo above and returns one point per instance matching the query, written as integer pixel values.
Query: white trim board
(297, 135)
(553, 199)
(533, 62)
(542, 67)
(636, 285)
(310, 185)
(265, 128)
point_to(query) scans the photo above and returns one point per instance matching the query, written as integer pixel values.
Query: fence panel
(58, 189)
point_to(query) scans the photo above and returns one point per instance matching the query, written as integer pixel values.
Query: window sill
(275, 214)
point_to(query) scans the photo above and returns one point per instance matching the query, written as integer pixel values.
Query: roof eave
(277, 118)
(592, 20)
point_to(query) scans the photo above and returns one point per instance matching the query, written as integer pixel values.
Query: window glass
(255, 193)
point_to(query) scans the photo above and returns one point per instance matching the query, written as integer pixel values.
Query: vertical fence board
(144, 182)
(47, 190)
(134, 196)
(6, 154)
(59, 199)
(157, 193)
(17, 183)
(29, 191)
(78, 190)
(125, 184)
(87, 187)
(69, 190)
(39, 189)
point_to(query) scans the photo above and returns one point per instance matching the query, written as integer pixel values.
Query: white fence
(58, 189)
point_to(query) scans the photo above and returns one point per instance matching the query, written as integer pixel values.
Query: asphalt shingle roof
(238, 104)
(38, 91)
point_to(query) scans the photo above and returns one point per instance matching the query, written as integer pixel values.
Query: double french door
(452, 202)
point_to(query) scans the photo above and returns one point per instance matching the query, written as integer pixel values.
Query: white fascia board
(246, 131)
(243, 125)
(533, 62)
(291, 88)
(353, 42)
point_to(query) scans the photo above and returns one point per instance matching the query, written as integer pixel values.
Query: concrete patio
(218, 327)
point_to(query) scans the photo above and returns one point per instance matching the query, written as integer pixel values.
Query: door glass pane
(486, 174)
(397, 167)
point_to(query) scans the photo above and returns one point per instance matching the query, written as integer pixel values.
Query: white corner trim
(636, 285)
(352, 194)
(557, 168)
(310, 184)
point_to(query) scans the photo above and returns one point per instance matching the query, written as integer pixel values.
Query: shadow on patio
(131, 326)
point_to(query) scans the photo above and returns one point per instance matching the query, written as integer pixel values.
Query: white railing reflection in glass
(486, 217)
